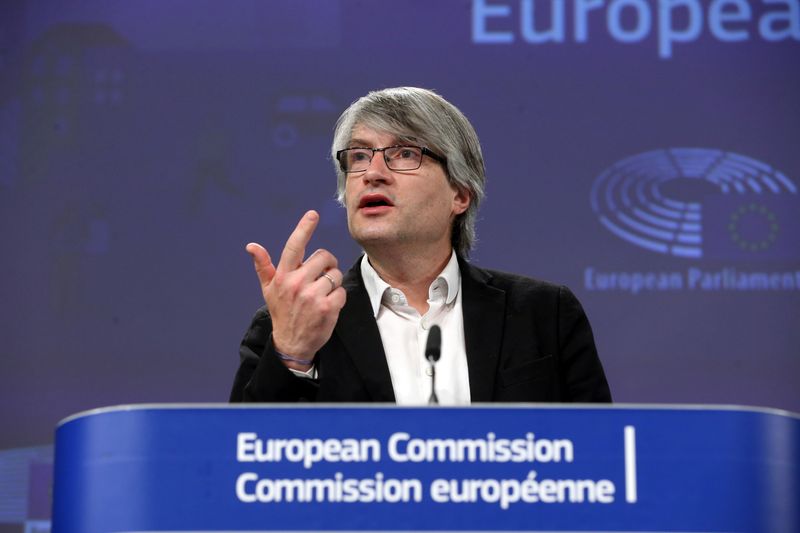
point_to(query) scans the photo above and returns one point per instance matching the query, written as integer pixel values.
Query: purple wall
(142, 144)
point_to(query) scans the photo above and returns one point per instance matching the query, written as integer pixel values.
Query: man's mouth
(374, 202)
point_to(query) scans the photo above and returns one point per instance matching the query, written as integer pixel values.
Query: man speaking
(410, 176)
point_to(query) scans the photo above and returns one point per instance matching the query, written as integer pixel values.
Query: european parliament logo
(700, 203)
(704, 206)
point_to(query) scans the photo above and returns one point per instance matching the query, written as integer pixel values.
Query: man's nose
(377, 169)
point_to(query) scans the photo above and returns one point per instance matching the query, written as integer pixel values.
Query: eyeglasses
(397, 157)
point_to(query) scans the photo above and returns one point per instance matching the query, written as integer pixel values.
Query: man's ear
(461, 200)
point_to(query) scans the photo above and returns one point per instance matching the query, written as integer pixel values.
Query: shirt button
(429, 372)
(395, 298)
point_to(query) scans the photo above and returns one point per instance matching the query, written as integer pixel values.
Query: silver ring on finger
(329, 278)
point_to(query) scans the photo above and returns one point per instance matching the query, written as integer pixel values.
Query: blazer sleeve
(583, 378)
(261, 376)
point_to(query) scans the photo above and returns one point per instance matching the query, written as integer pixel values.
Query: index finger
(295, 249)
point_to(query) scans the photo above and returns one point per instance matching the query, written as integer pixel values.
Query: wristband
(284, 357)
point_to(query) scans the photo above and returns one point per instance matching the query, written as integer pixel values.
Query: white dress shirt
(404, 333)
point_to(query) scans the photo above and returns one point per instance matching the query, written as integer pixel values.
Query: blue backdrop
(644, 153)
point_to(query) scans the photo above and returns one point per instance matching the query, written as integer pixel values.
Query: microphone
(433, 350)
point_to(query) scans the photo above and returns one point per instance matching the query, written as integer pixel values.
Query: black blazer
(526, 341)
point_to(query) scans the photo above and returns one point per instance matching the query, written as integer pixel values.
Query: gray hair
(422, 117)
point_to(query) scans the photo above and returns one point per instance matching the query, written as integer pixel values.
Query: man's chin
(373, 237)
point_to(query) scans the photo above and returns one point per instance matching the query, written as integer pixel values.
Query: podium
(148, 468)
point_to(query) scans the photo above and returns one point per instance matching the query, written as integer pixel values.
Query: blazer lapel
(484, 316)
(359, 333)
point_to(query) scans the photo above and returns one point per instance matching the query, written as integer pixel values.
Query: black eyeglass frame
(424, 149)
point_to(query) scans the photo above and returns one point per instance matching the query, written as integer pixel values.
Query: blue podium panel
(387, 468)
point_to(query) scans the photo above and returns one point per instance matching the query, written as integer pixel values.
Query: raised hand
(303, 297)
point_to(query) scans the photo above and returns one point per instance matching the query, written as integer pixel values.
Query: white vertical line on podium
(630, 464)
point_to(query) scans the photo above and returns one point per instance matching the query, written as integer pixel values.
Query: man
(410, 176)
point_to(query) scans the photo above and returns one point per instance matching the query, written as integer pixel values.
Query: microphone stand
(433, 400)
